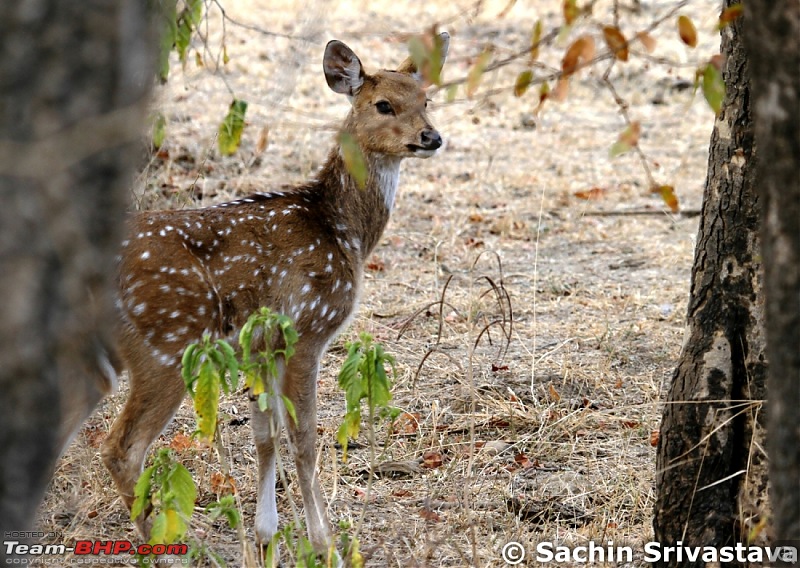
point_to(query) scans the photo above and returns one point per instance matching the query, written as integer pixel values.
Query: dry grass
(561, 426)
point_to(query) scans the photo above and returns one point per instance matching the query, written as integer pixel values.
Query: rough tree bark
(773, 41)
(73, 80)
(710, 469)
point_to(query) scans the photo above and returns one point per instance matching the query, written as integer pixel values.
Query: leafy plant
(177, 28)
(166, 487)
(302, 552)
(363, 376)
(206, 367)
(225, 507)
(262, 368)
(179, 21)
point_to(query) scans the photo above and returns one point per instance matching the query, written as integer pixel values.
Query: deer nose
(431, 139)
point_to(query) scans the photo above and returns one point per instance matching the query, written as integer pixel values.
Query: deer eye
(384, 107)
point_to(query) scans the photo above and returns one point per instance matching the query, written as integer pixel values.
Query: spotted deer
(185, 273)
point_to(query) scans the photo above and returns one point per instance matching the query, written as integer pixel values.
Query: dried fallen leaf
(616, 42)
(729, 14)
(654, 436)
(647, 41)
(593, 193)
(181, 442)
(553, 392)
(523, 461)
(627, 140)
(429, 515)
(668, 195)
(376, 265)
(687, 31)
(263, 140)
(571, 11)
(579, 53)
(406, 424)
(507, 9)
(432, 459)
(94, 436)
(222, 484)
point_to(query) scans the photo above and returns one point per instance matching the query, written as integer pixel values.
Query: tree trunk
(773, 34)
(73, 80)
(710, 469)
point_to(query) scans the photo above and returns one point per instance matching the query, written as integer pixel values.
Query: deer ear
(410, 67)
(343, 70)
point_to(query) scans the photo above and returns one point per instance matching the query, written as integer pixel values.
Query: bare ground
(553, 440)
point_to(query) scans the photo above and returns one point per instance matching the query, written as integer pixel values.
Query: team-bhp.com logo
(94, 548)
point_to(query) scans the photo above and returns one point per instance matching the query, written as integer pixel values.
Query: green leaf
(159, 130)
(522, 83)
(713, 87)
(476, 72)
(354, 160)
(225, 507)
(188, 364)
(452, 91)
(182, 488)
(618, 148)
(194, 9)
(169, 33)
(232, 366)
(426, 53)
(290, 410)
(536, 38)
(356, 559)
(183, 37)
(141, 492)
(230, 130)
(168, 527)
(206, 401)
(160, 530)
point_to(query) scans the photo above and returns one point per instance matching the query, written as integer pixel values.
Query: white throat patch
(387, 174)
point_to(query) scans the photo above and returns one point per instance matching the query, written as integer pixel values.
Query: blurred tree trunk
(773, 41)
(711, 473)
(73, 83)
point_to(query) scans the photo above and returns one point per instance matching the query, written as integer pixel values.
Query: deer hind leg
(300, 387)
(156, 392)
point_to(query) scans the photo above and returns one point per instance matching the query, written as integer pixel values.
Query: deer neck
(360, 214)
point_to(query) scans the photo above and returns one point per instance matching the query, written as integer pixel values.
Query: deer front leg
(266, 431)
(300, 387)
